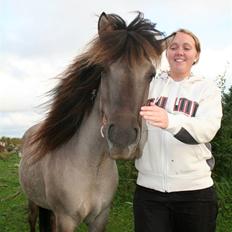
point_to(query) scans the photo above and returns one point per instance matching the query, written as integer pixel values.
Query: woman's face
(181, 55)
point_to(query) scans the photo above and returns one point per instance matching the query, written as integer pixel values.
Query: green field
(13, 205)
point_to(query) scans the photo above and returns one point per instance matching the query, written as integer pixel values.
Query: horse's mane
(73, 97)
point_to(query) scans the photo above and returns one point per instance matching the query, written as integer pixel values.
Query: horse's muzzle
(122, 141)
(122, 137)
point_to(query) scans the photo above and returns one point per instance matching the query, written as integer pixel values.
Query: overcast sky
(39, 38)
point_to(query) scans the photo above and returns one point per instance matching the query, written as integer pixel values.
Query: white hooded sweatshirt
(179, 157)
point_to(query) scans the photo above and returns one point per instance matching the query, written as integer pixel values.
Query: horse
(68, 166)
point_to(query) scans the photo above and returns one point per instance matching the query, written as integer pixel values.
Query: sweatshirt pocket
(202, 152)
(184, 158)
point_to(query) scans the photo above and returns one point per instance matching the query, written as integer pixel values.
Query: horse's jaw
(129, 153)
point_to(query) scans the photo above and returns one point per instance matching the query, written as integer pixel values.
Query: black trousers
(187, 211)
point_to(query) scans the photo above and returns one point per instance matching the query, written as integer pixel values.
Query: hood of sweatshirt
(192, 78)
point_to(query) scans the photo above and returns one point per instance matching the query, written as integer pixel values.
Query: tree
(222, 143)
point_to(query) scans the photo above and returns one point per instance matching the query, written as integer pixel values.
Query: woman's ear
(196, 58)
(166, 53)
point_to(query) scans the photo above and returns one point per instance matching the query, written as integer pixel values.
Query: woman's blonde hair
(195, 38)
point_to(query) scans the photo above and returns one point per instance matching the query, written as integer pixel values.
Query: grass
(224, 192)
(13, 213)
(12, 201)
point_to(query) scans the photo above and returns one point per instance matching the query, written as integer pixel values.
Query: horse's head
(128, 54)
(119, 65)
(123, 92)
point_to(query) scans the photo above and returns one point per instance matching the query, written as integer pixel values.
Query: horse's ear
(104, 23)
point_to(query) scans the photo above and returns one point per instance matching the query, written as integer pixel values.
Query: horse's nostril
(122, 137)
(110, 131)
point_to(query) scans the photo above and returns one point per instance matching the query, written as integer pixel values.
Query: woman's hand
(155, 115)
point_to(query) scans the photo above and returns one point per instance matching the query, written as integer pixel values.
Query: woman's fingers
(155, 116)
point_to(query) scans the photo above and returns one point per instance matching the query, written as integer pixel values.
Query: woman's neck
(179, 76)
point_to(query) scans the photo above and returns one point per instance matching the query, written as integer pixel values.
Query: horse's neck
(88, 138)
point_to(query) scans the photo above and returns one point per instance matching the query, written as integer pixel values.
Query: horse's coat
(67, 161)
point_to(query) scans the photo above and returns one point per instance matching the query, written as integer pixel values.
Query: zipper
(169, 108)
(164, 164)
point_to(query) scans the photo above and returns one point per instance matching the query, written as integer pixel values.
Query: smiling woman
(174, 172)
(183, 52)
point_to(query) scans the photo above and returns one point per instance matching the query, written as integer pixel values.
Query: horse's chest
(85, 193)
(87, 202)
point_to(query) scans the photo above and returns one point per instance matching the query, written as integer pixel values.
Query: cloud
(16, 123)
(24, 82)
(40, 38)
(38, 28)
(215, 62)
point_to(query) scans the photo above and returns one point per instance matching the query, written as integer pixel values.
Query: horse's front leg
(99, 223)
(65, 223)
(33, 211)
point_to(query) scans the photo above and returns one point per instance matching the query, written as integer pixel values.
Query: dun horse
(68, 169)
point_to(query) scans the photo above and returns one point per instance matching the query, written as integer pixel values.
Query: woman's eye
(173, 48)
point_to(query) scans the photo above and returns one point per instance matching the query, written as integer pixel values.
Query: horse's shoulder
(28, 135)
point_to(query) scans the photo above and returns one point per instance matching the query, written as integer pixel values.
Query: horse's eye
(151, 76)
(103, 74)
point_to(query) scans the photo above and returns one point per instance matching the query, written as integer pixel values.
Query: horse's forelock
(133, 43)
